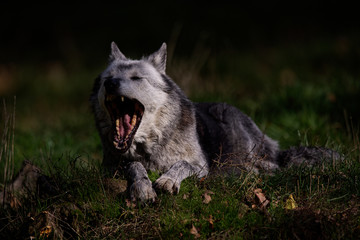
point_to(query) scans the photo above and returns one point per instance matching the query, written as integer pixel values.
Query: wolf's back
(309, 156)
(224, 125)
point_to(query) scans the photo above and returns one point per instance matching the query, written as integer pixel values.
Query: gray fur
(309, 156)
(139, 182)
(176, 137)
(115, 53)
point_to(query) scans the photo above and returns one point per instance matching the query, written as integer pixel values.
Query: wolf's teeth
(133, 121)
(122, 99)
(109, 97)
(117, 122)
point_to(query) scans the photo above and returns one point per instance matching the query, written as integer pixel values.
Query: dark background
(251, 44)
(81, 33)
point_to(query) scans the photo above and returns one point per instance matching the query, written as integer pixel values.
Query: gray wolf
(146, 122)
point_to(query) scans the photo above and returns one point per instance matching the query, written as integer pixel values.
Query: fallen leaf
(291, 203)
(194, 232)
(263, 202)
(211, 222)
(207, 198)
(45, 231)
(185, 196)
(260, 195)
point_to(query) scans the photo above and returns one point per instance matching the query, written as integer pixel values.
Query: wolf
(146, 122)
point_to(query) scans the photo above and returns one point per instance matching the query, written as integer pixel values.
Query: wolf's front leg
(140, 184)
(171, 180)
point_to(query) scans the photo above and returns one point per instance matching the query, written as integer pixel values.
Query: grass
(297, 97)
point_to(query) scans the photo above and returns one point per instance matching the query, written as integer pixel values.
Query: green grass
(306, 97)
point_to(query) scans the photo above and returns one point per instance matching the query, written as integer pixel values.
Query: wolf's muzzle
(111, 85)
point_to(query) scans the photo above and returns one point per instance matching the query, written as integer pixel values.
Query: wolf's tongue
(126, 124)
(123, 126)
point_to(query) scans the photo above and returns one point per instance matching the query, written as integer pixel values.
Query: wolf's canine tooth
(133, 120)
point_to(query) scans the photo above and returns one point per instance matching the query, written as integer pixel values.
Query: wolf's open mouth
(126, 115)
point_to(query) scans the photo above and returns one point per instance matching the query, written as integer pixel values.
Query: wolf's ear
(158, 59)
(115, 53)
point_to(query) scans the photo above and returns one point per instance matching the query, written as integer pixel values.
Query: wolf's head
(129, 92)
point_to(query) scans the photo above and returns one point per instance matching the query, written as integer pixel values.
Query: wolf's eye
(135, 78)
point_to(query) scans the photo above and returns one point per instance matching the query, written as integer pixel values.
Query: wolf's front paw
(142, 190)
(167, 184)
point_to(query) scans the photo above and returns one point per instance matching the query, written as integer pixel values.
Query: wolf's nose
(111, 85)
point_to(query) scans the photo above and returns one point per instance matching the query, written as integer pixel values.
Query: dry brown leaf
(211, 222)
(207, 198)
(260, 195)
(45, 231)
(263, 202)
(194, 232)
(185, 196)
